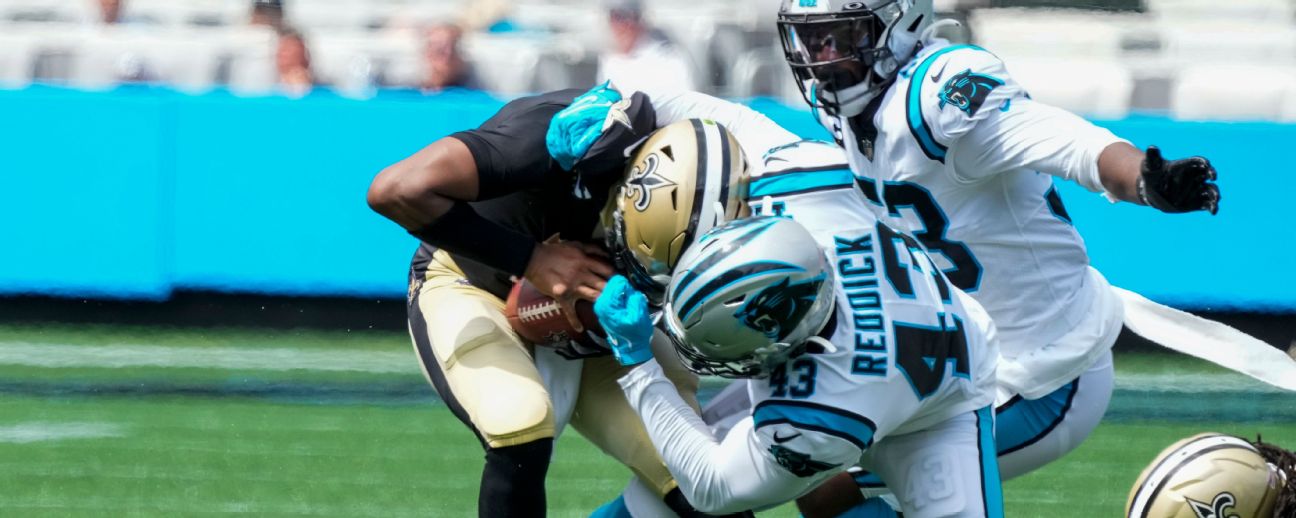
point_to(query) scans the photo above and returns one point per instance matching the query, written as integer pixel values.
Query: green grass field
(140, 422)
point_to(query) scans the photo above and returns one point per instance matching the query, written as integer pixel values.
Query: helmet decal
(967, 91)
(751, 228)
(730, 278)
(644, 181)
(1218, 507)
(777, 309)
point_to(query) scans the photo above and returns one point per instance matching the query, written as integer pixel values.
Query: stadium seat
(763, 72)
(355, 62)
(1192, 44)
(504, 64)
(1025, 33)
(17, 58)
(319, 15)
(1200, 94)
(185, 59)
(1244, 11)
(1098, 88)
(60, 11)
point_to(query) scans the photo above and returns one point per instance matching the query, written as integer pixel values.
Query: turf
(163, 441)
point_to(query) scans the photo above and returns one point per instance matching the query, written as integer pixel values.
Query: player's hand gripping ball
(623, 311)
(538, 318)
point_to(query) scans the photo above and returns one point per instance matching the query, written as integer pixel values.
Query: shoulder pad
(807, 439)
(950, 90)
(800, 167)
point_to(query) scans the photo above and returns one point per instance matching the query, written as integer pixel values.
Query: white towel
(1208, 340)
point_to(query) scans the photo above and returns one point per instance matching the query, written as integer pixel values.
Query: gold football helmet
(1209, 475)
(685, 179)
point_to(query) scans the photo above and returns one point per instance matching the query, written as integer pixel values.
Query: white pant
(943, 471)
(1033, 432)
(1029, 433)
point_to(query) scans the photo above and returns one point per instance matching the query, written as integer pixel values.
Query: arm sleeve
(509, 148)
(751, 469)
(1034, 136)
(755, 132)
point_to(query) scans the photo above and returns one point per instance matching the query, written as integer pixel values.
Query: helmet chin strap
(851, 101)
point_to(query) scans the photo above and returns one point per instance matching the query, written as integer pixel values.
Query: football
(538, 318)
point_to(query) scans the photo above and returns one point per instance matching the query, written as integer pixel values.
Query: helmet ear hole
(670, 153)
(735, 301)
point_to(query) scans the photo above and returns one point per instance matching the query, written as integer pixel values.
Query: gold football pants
(488, 378)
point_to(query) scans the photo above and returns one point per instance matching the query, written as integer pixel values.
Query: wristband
(462, 231)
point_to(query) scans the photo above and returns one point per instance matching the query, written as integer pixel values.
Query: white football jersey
(999, 231)
(910, 349)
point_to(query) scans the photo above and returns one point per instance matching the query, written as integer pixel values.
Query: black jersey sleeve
(509, 148)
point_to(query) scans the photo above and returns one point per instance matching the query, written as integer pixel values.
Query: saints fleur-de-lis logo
(1219, 507)
(617, 115)
(643, 181)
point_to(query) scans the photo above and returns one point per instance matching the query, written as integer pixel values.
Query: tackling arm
(742, 472)
(755, 132)
(1035, 136)
(419, 189)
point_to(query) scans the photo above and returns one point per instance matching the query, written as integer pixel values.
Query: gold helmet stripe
(1166, 469)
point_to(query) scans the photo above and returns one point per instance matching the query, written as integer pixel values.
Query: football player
(856, 347)
(1216, 475)
(944, 145)
(485, 203)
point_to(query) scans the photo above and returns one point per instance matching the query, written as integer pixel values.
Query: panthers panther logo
(776, 310)
(1218, 508)
(967, 91)
(798, 463)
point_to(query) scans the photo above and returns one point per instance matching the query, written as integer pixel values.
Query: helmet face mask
(845, 53)
(684, 179)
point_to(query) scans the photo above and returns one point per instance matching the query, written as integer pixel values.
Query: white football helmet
(844, 53)
(748, 296)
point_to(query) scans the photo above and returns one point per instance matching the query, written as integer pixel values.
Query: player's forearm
(427, 194)
(715, 477)
(1036, 137)
(1119, 167)
(755, 132)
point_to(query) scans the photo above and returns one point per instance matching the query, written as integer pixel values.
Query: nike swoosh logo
(936, 78)
(781, 440)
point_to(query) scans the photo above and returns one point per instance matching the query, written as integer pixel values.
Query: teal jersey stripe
(917, 124)
(793, 183)
(810, 416)
(990, 481)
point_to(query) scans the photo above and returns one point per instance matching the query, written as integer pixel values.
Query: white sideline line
(1193, 383)
(285, 359)
(239, 358)
(37, 431)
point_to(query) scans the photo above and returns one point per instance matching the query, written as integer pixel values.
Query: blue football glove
(623, 312)
(574, 129)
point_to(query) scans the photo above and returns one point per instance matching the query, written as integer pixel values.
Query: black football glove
(1178, 185)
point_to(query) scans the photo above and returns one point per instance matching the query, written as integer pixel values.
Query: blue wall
(137, 192)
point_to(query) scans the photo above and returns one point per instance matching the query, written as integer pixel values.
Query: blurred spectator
(110, 13)
(443, 62)
(292, 62)
(269, 13)
(641, 57)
